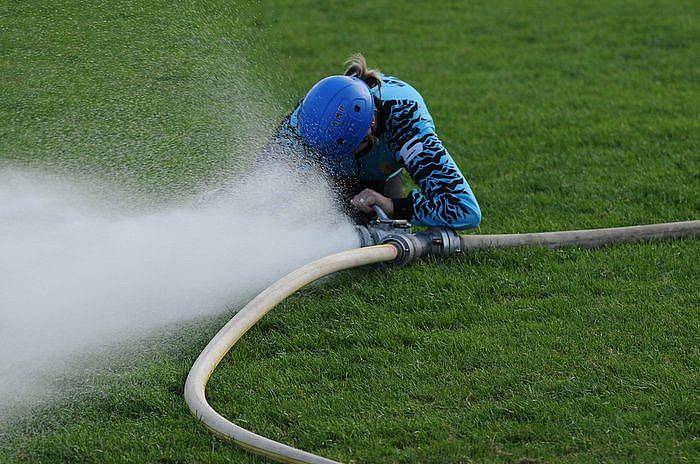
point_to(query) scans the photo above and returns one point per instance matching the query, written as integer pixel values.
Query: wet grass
(561, 116)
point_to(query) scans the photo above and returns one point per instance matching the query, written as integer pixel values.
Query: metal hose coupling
(434, 241)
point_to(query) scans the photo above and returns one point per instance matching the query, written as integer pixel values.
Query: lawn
(561, 114)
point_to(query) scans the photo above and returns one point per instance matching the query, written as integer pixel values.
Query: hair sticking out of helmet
(357, 67)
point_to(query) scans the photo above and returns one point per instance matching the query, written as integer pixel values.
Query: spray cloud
(159, 102)
(78, 273)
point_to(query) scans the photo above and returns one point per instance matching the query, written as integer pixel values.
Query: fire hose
(383, 240)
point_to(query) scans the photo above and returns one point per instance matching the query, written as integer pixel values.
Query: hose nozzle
(434, 241)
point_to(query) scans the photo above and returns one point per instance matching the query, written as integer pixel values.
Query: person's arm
(284, 142)
(444, 197)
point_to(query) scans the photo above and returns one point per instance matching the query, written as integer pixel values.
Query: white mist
(80, 272)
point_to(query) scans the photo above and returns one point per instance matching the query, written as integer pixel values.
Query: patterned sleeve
(285, 139)
(444, 197)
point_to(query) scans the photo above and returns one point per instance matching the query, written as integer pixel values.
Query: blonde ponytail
(357, 66)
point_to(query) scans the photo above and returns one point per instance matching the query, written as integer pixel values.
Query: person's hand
(368, 197)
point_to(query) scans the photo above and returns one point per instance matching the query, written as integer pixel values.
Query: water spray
(383, 240)
(88, 269)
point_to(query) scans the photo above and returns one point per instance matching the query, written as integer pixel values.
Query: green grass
(561, 114)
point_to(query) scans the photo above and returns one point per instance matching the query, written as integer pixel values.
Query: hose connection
(434, 241)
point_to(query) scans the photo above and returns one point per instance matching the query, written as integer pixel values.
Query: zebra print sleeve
(285, 137)
(444, 197)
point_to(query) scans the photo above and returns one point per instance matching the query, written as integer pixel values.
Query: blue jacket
(407, 140)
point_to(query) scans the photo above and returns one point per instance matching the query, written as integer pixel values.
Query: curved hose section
(590, 238)
(243, 320)
(225, 339)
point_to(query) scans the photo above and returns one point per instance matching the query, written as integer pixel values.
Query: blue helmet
(335, 117)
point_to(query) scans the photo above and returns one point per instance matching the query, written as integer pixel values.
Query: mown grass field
(561, 114)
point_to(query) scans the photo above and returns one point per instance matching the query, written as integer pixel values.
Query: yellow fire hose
(239, 325)
(224, 340)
